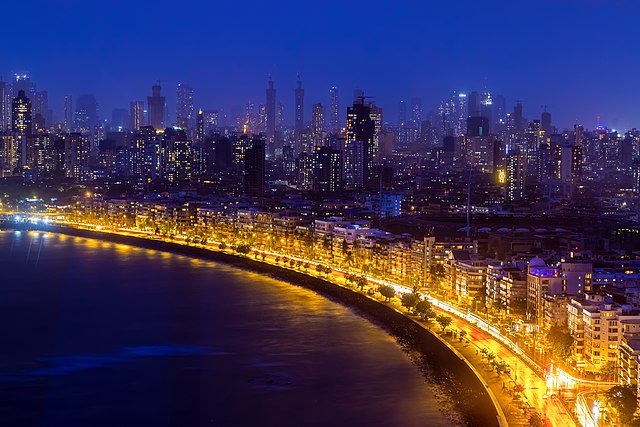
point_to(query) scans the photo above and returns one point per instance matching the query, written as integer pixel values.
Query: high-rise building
(359, 146)
(402, 113)
(23, 82)
(68, 113)
(254, 168)
(156, 103)
(136, 114)
(86, 114)
(576, 156)
(271, 111)
(177, 156)
(21, 114)
(334, 112)
(200, 127)
(516, 175)
(299, 112)
(416, 111)
(518, 120)
(317, 125)
(120, 119)
(327, 169)
(184, 106)
(4, 120)
(211, 121)
(41, 113)
(76, 155)
(477, 126)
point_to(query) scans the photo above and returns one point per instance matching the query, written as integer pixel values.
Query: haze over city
(572, 56)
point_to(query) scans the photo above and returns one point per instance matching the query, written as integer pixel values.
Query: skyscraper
(545, 122)
(254, 168)
(86, 114)
(68, 113)
(334, 110)
(299, 112)
(416, 111)
(156, 109)
(516, 175)
(317, 125)
(184, 106)
(200, 127)
(21, 114)
(271, 111)
(136, 114)
(327, 169)
(41, 108)
(359, 147)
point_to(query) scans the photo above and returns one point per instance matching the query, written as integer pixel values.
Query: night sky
(579, 57)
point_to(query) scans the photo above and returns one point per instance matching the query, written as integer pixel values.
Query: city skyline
(424, 51)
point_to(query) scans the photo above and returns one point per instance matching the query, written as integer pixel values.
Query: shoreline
(440, 362)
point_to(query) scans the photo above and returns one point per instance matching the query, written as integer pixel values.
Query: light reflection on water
(290, 356)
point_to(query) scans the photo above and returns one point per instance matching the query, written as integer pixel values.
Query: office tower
(184, 106)
(86, 118)
(359, 147)
(304, 171)
(156, 108)
(21, 114)
(516, 175)
(299, 112)
(41, 111)
(402, 113)
(486, 107)
(317, 125)
(334, 111)
(545, 122)
(474, 106)
(76, 155)
(261, 124)
(200, 127)
(68, 113)
(254, 168)
(120, 119)
(136, 114)
(477, 127)
(23, 82)
(271, 111)
(327, 169)
(461, 114)
(518, 120)
(416, 110)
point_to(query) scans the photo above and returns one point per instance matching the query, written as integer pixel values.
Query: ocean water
(100, 334)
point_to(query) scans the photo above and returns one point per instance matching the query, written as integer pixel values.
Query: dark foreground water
(100, 334)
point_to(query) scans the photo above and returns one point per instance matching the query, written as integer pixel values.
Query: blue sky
(579, 57)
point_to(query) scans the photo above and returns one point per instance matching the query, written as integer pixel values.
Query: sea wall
(443, 366)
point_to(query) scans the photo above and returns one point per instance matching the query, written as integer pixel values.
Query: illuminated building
(177, 155)
(360, 145)
(416, 111)
(327, 169)
(305, 171)
(254, 169)
(402, 113)
(299, 109)
(577, 153)
(200, 127)
(334, 110)
(8, 155)
(21, 114)
(136, 115)
(477, 126)
(184, 106)
(317, 125)
(86, 114)
(516, 175)
(76, 156)
(211, 121)
(156, 108)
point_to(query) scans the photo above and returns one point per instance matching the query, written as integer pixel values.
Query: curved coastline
(435, 357)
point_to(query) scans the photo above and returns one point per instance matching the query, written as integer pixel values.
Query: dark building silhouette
(477, 126)
(254, 169)
(327, 168)
(360, 145)
(156, 104)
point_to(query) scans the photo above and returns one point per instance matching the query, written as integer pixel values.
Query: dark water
(99, 334)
